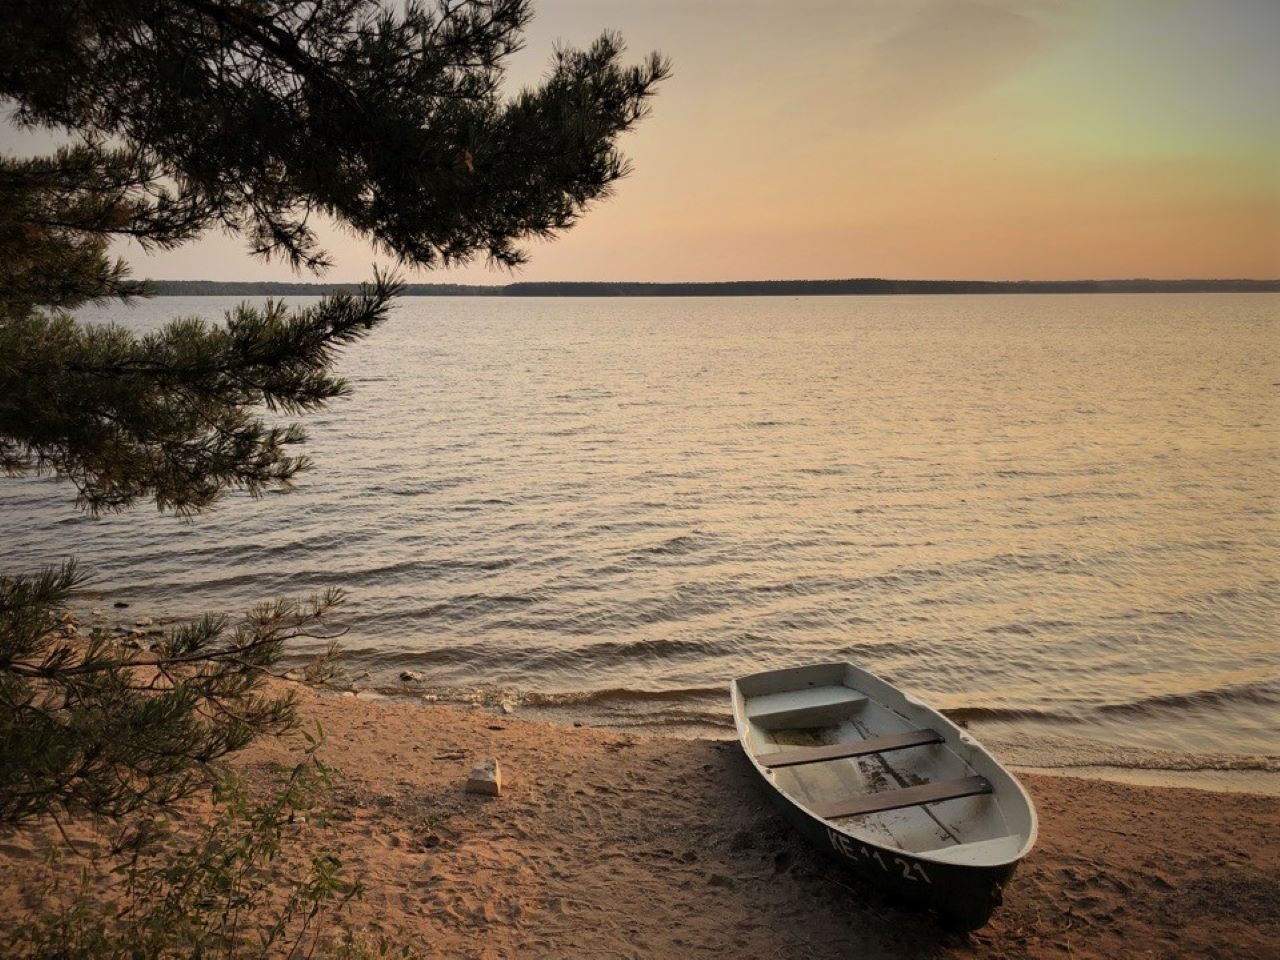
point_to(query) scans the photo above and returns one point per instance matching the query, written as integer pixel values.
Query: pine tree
(250, 116)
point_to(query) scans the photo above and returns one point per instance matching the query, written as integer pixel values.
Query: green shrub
(225, 892)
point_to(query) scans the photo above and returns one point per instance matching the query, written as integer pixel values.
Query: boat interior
(877, 765)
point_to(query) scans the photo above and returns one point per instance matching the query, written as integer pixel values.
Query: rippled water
(1052, 515)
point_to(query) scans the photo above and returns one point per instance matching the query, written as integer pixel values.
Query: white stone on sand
(486, 778)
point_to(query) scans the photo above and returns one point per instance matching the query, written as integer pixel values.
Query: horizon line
(848, 279)
(846, 286)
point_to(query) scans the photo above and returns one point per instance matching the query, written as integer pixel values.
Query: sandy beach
(606, 844)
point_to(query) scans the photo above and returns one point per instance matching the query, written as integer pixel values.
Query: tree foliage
(172, 416)
(97, 726)
(253, 117)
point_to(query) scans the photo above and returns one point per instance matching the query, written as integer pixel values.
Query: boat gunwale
(951, 733)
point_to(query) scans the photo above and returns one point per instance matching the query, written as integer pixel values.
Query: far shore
(607, 844)
(854, 287)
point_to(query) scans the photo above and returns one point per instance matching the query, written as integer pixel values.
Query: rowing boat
(887, 785)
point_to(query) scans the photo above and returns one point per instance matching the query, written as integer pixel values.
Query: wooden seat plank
(850, 748)
(906, 797)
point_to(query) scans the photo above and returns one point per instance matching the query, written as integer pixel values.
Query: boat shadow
(795, 900)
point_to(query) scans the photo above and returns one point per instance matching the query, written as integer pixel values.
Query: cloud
(947, 53)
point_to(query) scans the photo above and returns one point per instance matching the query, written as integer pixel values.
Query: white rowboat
(893, 789)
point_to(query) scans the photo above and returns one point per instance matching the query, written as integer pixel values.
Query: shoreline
(1247, 782)
(1219, 774)
(608, 843)
(1024, 747)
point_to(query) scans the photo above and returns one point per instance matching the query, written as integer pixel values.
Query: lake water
(1054, 516)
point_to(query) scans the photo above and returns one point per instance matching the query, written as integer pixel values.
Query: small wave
(1263, 693)
(1031, 562)
(605, 654)
(498, 598)
(468, 654)
(1067, 753)
(616, 695)
(1188, 763)
(1015, 473)
(979, 714)
(684, 604)
(461, 607)
(412, 571)
(420, 488)
(618, 700)
(1084, 495)
(584, 393)
(676, 546)
(670, 475)
(697, 718)
(1031, 627)
(665, 649)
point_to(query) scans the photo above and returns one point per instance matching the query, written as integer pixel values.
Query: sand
(606, 844)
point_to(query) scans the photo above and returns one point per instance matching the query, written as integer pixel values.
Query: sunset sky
(1016, 139)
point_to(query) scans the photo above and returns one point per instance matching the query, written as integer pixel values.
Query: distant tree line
(733, 288)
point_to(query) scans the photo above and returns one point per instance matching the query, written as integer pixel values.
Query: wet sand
(606, 844)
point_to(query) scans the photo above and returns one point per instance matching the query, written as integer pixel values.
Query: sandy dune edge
(612, 845)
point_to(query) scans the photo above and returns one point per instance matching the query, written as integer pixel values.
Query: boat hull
(963, 896)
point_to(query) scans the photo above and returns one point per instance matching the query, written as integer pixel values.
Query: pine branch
(78, 733)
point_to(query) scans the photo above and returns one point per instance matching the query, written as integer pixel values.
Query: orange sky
(1020, 139)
